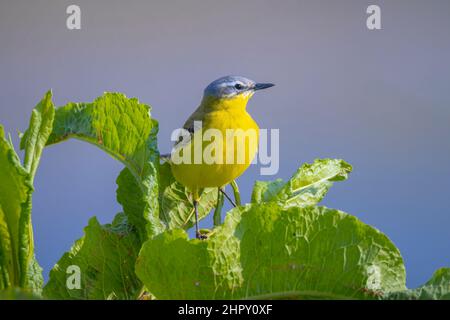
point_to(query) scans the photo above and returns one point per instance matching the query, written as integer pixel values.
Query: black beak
(260, 86)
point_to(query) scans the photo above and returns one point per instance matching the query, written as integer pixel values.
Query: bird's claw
(201, 236)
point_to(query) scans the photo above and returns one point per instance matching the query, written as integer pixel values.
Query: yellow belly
(226, 152)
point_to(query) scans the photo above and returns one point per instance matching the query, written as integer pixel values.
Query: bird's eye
(239, 86)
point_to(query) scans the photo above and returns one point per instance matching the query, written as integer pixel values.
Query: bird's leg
(228, 197)
(197, 232)
(198, 235)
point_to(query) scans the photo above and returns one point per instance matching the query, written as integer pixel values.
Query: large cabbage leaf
(124, 129)
(270, 251)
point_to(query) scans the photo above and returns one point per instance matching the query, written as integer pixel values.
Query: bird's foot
(201, 236)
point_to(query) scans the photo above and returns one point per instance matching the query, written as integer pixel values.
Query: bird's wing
(189, 125)
(197, 115)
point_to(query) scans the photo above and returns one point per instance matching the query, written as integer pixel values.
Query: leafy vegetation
(18, 266)
(266, 250)
(282, 245)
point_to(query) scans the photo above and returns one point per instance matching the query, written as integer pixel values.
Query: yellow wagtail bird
(222, 115)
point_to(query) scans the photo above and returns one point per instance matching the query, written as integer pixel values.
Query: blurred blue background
(378, 99)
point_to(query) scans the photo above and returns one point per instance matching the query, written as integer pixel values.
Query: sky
(379, 99)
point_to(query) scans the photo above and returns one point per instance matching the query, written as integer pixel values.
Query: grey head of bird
(231, 86)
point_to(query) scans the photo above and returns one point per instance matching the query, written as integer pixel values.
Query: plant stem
(218, 209)
(237, 195)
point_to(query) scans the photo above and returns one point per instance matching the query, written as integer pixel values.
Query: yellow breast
(221, 150)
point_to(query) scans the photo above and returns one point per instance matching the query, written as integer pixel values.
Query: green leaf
(36, 136)
(34, 141)
(14, 191)
(124, 129)
(133, 201)
(106, 256)
(270, 251)
(18, 267)
(34, 278)
(39, 129)
(306, 187)
(18, 294)
(176, 208)
(265, 191)
(437, 288)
